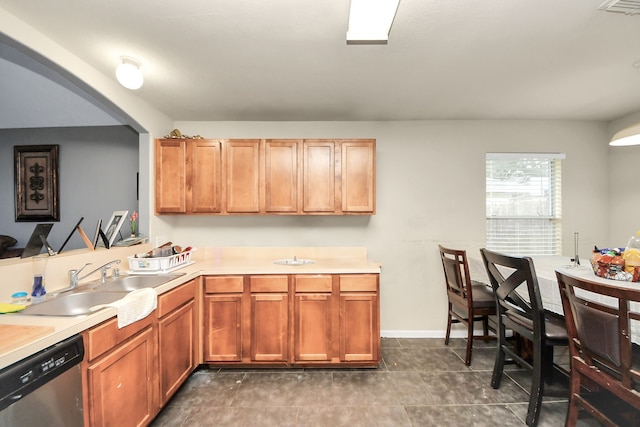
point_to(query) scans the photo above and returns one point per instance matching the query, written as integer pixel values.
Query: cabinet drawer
(106, 336)
(223, 284)
(269, 283)
(316, 283)
(359, 283)
(173, 299)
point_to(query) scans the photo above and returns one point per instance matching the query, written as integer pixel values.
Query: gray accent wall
(98, 168)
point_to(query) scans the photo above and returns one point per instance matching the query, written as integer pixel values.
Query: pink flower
(133, 218)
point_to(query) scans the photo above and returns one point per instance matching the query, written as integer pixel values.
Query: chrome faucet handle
(73, 276)
(103, 273)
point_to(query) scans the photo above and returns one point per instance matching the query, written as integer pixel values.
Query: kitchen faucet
(74, 278)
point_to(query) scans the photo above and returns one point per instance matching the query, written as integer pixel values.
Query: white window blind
(524, 203)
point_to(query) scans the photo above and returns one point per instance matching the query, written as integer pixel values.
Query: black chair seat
(555, 327)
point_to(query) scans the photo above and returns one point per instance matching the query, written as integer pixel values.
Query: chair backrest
(508, 274)
(599, 333)
(456, 275)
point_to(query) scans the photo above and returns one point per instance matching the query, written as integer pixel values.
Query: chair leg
(498, 366)
(547, 364)
(537, 384)
(467, 359)
(572, 413)
(446, 337)
(485, 327)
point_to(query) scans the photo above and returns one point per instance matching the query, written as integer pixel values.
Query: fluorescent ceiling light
(128, 73)
(370, 20)
(627, 136)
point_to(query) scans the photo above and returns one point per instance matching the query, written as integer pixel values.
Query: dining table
(546, 267)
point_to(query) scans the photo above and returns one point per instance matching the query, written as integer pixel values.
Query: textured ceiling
(288, 60)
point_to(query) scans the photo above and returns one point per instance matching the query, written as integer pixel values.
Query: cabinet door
(171, 184)
(176, 337)
(243, 176)
(359, 318)
(359, 333)
(313, 317)
(312, 330)
(358, 176)
(319, 176)
(281, 176)
(206, 176)
(223, 327)
(269, 327)
(123, 385)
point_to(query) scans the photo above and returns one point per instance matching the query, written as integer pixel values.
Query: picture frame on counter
(114, 225)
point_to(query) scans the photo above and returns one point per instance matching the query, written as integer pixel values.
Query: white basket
(159, 264)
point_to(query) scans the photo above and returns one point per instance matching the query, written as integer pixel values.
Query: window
(524, 203)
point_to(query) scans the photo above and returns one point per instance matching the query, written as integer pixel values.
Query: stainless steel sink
(294, 261)
(72, 304)
(133, 282)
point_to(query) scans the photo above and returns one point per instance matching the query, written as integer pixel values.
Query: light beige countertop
(207, 261)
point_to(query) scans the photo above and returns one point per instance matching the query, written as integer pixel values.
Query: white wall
(430, 190)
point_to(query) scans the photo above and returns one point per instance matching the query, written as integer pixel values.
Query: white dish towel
(136, 305)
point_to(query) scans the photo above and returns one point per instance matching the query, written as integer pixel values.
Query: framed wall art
(36, 182)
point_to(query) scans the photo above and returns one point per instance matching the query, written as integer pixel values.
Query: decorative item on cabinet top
(176, 134)
(265, 176)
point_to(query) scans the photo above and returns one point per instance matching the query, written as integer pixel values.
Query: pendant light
(627, 136)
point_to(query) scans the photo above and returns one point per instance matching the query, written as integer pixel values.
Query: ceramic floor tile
(208, 389)
(422, 359)
(266, 416)
(353, 416)
(284, 389)
(472, 415)
(368, 389)
(421, 382)
(452, 388)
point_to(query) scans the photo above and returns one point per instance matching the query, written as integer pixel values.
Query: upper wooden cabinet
(205, 175)
(319, 171)
(282, 175)
(265, 176)
(358, 176)
(242, 161)
(171, 175)
(188, 176)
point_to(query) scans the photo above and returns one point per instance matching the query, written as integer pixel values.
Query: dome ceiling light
(129, 74)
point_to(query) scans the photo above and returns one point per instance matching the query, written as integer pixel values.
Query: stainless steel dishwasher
(44, 389)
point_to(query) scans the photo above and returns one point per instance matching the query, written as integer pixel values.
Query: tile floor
(420, 382)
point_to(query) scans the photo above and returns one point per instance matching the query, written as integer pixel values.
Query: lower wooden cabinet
(121, 374)
(359, 318)
(223, 301)
(177, 332)
(313, 320)
(269, 318)
(130, 373)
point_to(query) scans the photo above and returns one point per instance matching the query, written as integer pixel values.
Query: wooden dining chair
(470, 301)
(510, 275)
(605, 363)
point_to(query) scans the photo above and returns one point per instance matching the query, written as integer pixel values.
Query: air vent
(628, 7)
